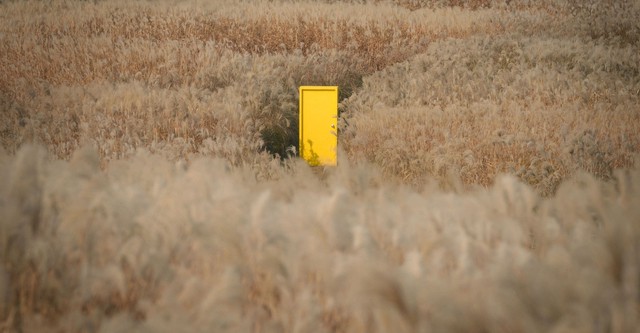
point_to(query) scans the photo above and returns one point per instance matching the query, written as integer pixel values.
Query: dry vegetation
(487, 178)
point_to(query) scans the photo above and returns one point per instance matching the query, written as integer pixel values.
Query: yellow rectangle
(319, 124)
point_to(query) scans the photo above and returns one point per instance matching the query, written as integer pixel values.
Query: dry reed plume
(151, 245)
(487, 180)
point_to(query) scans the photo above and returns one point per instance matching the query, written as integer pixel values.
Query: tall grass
(535, 107)
(488, 181)
(221, 79)
(150, 245)
(62, 61)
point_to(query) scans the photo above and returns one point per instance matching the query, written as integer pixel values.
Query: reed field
(487, 180)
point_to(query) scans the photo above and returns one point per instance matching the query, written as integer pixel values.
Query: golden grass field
(488, 173)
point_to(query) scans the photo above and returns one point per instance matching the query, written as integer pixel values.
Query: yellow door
(319, 124)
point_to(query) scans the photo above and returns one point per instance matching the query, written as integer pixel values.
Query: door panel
(319, 124)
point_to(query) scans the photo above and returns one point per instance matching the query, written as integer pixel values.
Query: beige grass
(539, 108)
(150, 245)
(487, 181)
